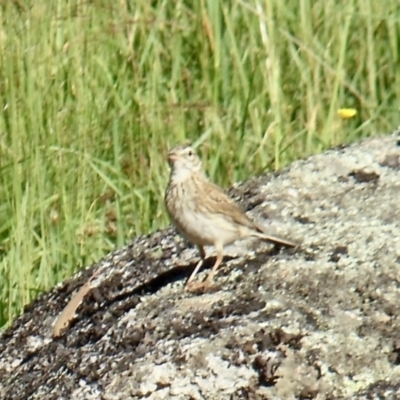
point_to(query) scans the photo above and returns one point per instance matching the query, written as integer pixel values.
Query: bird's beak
(172, 157)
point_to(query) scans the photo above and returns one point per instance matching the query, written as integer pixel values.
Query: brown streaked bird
(203, 213)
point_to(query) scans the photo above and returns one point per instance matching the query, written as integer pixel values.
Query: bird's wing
(217, 202)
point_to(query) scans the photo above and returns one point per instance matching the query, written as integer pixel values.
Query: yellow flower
(346, 113)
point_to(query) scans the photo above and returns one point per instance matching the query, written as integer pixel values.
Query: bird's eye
(190, 153)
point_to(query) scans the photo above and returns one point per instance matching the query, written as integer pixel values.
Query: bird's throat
(181, 174)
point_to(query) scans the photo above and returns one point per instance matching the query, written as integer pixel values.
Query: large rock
(321, 321)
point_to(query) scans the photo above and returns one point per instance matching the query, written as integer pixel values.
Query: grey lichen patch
(317, 322)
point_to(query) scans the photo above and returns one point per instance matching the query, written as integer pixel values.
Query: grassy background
(92, 93)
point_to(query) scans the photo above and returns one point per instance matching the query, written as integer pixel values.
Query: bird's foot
(201, 287)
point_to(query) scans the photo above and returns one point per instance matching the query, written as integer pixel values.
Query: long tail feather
(275, 240)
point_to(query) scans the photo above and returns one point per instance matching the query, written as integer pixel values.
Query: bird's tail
(275, 240)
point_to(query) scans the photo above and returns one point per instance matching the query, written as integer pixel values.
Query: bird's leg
(198, 266)
(220, 255)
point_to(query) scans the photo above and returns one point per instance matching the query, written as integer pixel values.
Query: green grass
(92, 93)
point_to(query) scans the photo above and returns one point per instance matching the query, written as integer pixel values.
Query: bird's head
(183, 160)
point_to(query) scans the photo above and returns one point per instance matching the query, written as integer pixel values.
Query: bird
(203, 213)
